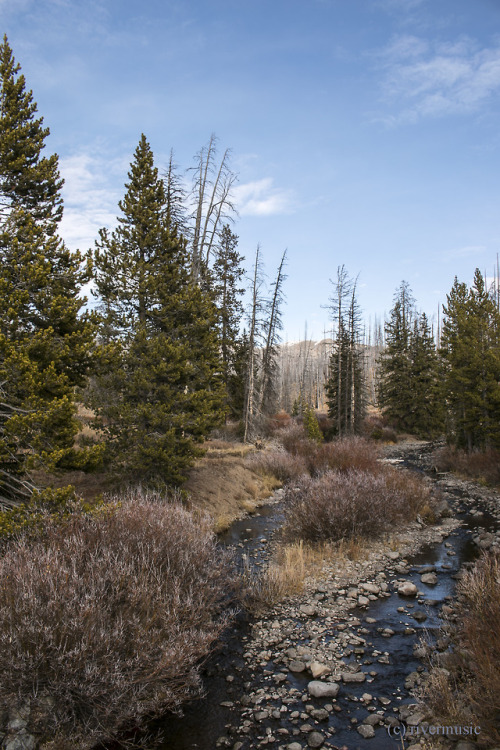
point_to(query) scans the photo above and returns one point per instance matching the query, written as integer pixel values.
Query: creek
(226, 718)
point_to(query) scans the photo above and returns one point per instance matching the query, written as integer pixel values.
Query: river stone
(366, 731)
(20, 741)
(294, 746)
(319, 670)
(363, 601)
(372, 588)
(429, 578)
(419, 615)
(353, 676)
(308, 609)
(323, 689)
(297, 666)
(373, 720)
(407, 589)
(315, 739)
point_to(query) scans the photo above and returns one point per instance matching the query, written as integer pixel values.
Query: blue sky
(364, 132)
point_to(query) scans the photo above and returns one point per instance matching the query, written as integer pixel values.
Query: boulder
(319, 689)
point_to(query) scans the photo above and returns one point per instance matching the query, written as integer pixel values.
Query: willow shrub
(341, 505)
(108, 617)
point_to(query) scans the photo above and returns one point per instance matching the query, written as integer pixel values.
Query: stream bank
(335, 666)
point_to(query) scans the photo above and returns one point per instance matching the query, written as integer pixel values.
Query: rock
(366, 731)
(20, 741)
(407, 589)
(393, 555)
(353, 677)
(319, 670)
(315, 739)
(387, 633)
(323, 689)
(429, 578)
(308, 609)
(465, 745)
(294, 746)
(413, 720)
(363, 601)
(419, 615)
(373, 720)
(371, 588)
(297, 666)
(320, 714)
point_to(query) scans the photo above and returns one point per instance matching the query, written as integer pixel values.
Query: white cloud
(468, 251)
(90, 196)
(439, 79)
(260, 198)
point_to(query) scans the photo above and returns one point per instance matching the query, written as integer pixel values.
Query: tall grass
(109, 616)
(468, 691)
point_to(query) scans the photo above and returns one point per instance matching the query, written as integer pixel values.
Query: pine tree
(227, 274)
(470, 348)
(394, 376)
(45, 343)
(426, 415)
(272, 327)
(161, 391)
(28, 180)
(345, 387)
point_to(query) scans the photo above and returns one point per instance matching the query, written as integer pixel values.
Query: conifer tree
(426, 415)
(28, 180)
(345, 387)
(470, 348)
(161, 391)
(45, 343)
(227, 274)
(394, 375)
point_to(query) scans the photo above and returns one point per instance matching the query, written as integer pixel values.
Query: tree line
(169, 350)
(167, 354)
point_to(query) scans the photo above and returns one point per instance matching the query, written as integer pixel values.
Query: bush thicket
(108, 617)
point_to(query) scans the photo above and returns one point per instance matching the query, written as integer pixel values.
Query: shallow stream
(210, 722)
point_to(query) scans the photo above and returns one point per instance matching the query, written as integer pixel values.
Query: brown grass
(225, 486)
(469, 690)
(483, 465)
(353, 504)
(109, 616)
(280, 464)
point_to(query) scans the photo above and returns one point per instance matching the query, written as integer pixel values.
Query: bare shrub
(339, 505)
(470, 687)
(109, 616)
(477, 464)
(346, 454)
(279, 421)
(284, 466)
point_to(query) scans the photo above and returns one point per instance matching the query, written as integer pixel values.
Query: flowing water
(205, 721)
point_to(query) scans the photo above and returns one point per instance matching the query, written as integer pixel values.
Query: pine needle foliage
(45, 342)
(159, 391)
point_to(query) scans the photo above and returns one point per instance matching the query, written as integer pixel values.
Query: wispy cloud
(90, 196)
(468, 251)
(260, 198)
(437, 79)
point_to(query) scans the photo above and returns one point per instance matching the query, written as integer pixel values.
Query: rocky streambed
(336, 666)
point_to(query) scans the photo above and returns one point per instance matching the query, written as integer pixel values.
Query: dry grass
(109, 617)
(468, 691)
(280, 464)
(285, 574)
(483, 465)
(225, 486)
(352, 504)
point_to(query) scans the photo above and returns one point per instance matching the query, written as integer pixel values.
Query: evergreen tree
(161, 363)
(45, 343)
(394, 376)
(426, 415)
(272, 328)
(345, 387)
(311, 425)
(470, 348)
(227, 274)
(28, 180)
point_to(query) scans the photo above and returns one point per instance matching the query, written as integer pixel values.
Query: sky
(364, 133)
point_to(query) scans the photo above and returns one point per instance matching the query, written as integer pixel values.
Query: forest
(180, 344)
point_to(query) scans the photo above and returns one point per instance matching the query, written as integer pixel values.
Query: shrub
(107, 617)
(284, 466)
(343, 455)
(377, 428)
(311, 426)
(338, 505)
(478, 464)
(279, 421)
(468, 690)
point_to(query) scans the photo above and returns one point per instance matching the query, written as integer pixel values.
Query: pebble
(320, 689)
